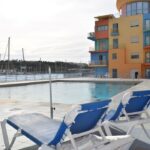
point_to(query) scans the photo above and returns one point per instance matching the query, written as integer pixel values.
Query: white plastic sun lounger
(49, 134)
(132, 112)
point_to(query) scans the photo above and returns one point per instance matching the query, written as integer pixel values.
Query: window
(147, 40)
(147, 73)
(145, 7)
(133, 7)
(104, 44)
(114, 56)
(128, 11)
(97, 45)
(139, 7)
(147, 57)
(134, 23)
(147, 25)
(135, 55)
(115, 27)
(100, 57)
(102, 28)
(115, 43)
(101, 44)
(114, 73)
(134, 39)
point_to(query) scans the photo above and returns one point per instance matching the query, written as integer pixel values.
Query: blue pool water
(64, 92)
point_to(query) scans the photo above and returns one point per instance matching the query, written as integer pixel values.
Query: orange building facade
(122, 45)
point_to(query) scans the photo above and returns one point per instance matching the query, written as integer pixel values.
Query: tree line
(40, 66)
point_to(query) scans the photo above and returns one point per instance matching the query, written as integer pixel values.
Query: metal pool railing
(45, 76)
(28, 77)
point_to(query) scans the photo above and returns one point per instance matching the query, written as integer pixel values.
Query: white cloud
(51, 29)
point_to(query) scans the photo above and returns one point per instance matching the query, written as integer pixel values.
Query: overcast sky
(50, 29)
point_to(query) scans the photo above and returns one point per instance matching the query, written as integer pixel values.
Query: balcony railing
(92, 49)
(114, 32)
(99, 63)
(91, 36)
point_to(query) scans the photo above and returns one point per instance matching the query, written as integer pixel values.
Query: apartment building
(122, 44)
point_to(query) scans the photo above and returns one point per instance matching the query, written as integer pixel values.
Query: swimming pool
(64, 92)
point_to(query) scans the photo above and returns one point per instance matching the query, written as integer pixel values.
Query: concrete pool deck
(8, 108)
(22, 83)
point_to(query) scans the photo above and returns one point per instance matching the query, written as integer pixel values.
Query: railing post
(16, 76)
(6, 78)
(50, 92)
(34, 76)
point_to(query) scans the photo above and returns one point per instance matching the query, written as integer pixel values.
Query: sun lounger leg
(5, 135)
(14, 138)
(142, 125)
(147, 114)
(101, 133)
(72, 140)
(106, 126)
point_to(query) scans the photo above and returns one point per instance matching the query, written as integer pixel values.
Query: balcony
(114, 32)
(93, 50)
(98, 63)
(91, 36)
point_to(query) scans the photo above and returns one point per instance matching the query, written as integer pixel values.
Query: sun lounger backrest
(89, 117)
(87, 120)
(95, 105)
(141, 93)
(84, 121)
(137, 104)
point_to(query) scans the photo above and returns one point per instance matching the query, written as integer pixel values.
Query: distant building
(122, 45)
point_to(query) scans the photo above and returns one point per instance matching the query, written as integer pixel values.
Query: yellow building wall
(124, 63)
(124, 70)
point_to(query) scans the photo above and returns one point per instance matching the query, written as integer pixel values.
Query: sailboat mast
(23, 54)
(8, 66)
